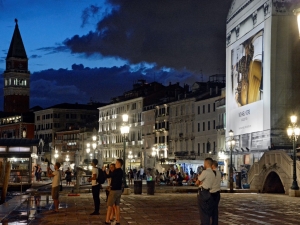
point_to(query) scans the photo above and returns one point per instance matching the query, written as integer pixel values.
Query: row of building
(168, 124)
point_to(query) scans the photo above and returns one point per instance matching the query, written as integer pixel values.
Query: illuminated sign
(245, 103)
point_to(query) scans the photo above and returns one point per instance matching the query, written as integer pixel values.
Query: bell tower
(16, 76)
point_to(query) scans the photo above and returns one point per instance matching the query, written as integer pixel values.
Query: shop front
(22, 154)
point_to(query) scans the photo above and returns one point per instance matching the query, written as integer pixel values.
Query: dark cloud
(35, 56)
(90, 13)
(53, 49)
(50, 87)
(177, 34)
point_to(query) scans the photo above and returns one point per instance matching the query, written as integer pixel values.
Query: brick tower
(16, 76)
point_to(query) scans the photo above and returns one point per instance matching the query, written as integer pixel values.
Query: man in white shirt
(95, 187)
(215, 193)
(55, 184)
(141, 173)
(205, 201)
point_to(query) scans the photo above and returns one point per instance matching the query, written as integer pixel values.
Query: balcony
(220, 127)
(220, 103)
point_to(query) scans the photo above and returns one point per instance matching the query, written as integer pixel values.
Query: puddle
(29, 210)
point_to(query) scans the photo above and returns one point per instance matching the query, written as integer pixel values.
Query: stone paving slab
(179, 208)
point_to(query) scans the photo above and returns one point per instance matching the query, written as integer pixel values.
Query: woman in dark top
(115, 192)
(68, 176)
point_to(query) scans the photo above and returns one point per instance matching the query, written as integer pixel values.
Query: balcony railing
(220, 127)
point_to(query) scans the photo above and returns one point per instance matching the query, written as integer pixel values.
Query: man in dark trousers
(215, 193)
(205, 201)
(115, 193)
(95, 187)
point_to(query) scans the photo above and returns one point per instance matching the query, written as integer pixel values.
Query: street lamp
(297, 13)
(124, 131)
(67, 158)
(56, 154)
(231, 143)
(293, 132)
(94, 137)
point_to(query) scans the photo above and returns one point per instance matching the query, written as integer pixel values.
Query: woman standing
(130, 176)
(68, 176)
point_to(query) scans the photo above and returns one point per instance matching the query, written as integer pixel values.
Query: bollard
(138, 187)
(150, 187)
(5, 182)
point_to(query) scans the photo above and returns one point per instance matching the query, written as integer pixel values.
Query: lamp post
(124, 131)
(130, 157)
(293, 132)
(231, 143)
(94, 145)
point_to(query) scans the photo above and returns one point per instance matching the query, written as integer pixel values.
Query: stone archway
(273, 184)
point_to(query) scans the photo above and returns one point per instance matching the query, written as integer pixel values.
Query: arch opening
(273, 184)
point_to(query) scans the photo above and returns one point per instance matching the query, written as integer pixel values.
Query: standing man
(141, 173)
(205, 201)
(95, 187)
(135, 173)
(55, 185)
(115, 193)
(215, 193)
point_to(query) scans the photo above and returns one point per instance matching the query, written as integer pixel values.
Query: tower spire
(16, 48)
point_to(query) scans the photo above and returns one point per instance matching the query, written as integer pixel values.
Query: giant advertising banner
(245, 99)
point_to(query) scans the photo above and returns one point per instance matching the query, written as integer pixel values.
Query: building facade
(63, 117)
(262, 73)
(18, 126)
(110, 137)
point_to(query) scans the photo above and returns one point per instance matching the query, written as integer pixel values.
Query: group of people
(114, 176)
(208, 182)
(209, 186)
(134, 174)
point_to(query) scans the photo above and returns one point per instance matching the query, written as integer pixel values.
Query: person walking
(55, 185)
(115, 193)
(205, 201)
(95, 187)
(215, 193)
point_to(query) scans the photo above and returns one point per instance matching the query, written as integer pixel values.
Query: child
(55, 185)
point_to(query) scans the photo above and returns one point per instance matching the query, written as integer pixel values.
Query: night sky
(85, 49)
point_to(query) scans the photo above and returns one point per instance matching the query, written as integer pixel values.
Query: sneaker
(95, 213)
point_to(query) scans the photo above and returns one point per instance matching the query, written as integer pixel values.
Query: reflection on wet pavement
(28, 210)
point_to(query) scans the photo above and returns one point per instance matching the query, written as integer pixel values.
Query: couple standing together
(114, 197)
(209, 183)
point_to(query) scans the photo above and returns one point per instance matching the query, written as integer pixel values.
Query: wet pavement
(162, 208)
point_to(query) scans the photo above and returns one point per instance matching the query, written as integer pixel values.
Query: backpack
(101, 176)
